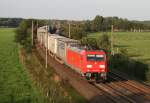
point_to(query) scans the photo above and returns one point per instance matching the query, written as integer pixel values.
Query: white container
(52, 42)
(62, 45)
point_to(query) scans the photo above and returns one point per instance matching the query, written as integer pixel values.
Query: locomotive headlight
(89, 66)
(102, 66)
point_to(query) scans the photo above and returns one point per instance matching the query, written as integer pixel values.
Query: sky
(75, 9)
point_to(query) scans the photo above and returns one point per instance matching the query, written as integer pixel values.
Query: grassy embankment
(30, 83)
(53, 87)
(137, 44)
(15, 86)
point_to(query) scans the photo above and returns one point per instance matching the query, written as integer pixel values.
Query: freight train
(91, 64)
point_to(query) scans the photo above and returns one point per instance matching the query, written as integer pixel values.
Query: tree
(23, 34)
(76, 31)
(87, 26)
(104, 42)
(90, 43)
(10, 22)
(97, 23)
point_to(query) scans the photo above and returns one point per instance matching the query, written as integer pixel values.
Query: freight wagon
(91, 64)
(62, 46)
(53, 43)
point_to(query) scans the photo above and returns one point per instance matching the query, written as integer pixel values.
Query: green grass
(137, 44)
(15, 87)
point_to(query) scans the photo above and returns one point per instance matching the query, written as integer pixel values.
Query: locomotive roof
(81, 48)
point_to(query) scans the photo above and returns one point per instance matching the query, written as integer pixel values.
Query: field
(15, 87)
(137, 44)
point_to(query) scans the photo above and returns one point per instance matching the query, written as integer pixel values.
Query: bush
(91, 43)
(123, 63)
(76, 31)
(23, 35)
(104, 42)
(101, 43)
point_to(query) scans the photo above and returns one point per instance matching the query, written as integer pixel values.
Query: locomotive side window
(95, 57)
(90, 57)
(99, 57)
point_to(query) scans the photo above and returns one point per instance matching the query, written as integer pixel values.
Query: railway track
(125, 91)
(116, 90)
(131, 89)
(141, 87)
(117, 96)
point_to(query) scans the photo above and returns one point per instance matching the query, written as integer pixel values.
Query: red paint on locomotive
(87, 62)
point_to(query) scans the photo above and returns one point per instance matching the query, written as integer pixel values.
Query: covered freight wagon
(62, 45)
(53, 42)
(41, 35)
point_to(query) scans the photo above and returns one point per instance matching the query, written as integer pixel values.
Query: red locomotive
(91, 64)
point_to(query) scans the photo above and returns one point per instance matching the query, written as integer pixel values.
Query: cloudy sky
(75, 9)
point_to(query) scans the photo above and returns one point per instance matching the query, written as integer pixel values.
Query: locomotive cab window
(95, 57)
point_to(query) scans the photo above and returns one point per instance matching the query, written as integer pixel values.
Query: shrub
(123, 63)
(23, 35)
(104, 42)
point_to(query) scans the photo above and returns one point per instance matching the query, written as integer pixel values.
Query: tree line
(10, 22)
(79, 29)
(99, 23)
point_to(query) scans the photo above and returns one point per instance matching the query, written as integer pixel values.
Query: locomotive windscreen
(95, 57)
